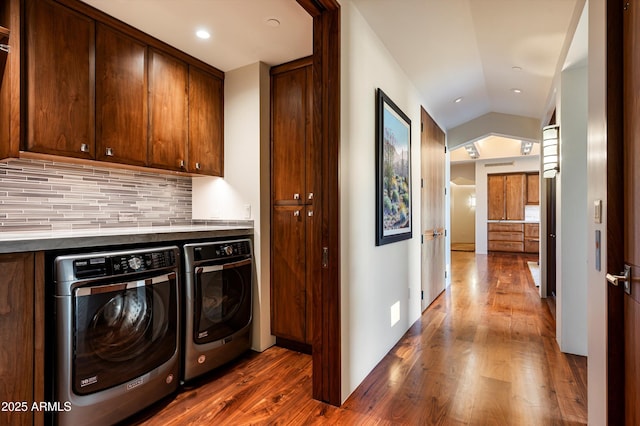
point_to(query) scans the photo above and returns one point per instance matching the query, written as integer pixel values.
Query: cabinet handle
(296, 196)
(84, 147)
(197, 166)
(296, 213)
(109, 152)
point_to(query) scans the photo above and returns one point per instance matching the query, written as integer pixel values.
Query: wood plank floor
(483, 353)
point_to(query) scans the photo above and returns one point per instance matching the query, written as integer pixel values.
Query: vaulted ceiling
(478, 50)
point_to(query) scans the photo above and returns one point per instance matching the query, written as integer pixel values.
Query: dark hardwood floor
(483, 353)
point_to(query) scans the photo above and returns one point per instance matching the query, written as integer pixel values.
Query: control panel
(223, 250)
(123, 263)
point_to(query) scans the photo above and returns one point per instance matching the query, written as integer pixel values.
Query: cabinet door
(17, 340)
(288, 266)
(533, 188)
(168, 126)
(206, 143)
(60, 80)
(515, 187)
(121, 98)
(290, 127)
(496, 197)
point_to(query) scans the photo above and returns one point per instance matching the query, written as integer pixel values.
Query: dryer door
(222, 300)
(123, 330)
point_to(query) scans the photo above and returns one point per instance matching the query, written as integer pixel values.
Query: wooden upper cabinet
(515, 187)
(60, 80)
(291, 163)
(121, 97)
(206, 138)
(533, 188)
(168, 103)
(496, 197)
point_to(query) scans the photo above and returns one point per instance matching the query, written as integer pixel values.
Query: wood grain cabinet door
(290, 118)
(60, 80)
(288, 272)
(533, 188)
(496, 197)
(206, 144)
(121, 98)
(17, 340)
(515, 187)
(168, 125)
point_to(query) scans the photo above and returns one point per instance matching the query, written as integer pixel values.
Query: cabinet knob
(181, 163)
(296, 196)
(198, 166)
(84, 147)
(310, 213)
(109, 152)
(296, 213)
(310, 197)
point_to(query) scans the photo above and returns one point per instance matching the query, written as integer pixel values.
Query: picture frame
(393, 172)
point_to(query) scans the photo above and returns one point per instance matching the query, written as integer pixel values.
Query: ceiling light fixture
(458, 100)
(516, 90)
(516, 68)
(203, 34)
(472, 151)
(526, 147)
(272, 22)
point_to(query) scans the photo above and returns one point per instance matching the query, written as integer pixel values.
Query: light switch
(597, 211)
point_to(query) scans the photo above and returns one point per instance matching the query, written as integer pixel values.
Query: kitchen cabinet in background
(168, 111)
(506, 237)
(21, 336)
(60, 80)
(531, 237)
(533, 188)
(295, 234)
(121, 97)
(506, 196)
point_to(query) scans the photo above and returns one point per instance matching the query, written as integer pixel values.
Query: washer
(117, 333)
(218, 304)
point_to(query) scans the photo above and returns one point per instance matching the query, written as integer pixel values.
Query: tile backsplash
(40, 195)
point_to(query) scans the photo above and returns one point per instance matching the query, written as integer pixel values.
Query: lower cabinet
(513, 237)
(21, 338)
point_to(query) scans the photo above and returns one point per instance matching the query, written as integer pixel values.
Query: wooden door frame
(615, 212)
(325, 293)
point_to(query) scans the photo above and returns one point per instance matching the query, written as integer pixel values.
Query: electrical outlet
(247, 211)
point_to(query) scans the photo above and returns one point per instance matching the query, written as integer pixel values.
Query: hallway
(483, 353)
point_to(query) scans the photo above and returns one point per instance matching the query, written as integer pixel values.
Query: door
(551, 236)
(629, 308)
(432, 152)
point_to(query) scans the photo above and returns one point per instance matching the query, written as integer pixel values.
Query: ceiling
(477, 50)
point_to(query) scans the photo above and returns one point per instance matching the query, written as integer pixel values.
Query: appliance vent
(509, 163)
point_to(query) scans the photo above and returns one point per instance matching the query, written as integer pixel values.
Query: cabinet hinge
(445, 232)
(421, 239)
(445, 149)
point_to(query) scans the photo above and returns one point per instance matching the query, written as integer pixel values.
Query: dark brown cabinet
(60, 80)
(295, 250)
(168, 113)
(21, 337)
(206, 139)
(121, 98)
(533, 188)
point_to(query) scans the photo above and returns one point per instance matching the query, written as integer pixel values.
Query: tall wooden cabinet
(506, 195)
(21, 337)
(295, 252)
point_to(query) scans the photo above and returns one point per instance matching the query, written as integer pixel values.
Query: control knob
(135, 263)
(228, 250)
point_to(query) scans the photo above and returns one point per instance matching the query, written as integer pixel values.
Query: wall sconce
(472, 150)
(550, 151)
(472, 201)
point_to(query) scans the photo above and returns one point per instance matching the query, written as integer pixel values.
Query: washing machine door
(123, 330)
(222, 300)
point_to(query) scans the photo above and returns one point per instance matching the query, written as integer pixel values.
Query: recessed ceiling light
(458, 100)
(272, 22)
(515, 90)
(203, 34)
(516, 68)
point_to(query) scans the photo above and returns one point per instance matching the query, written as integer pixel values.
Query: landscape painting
(393, 172)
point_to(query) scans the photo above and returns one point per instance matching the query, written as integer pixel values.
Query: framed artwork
(393, 172)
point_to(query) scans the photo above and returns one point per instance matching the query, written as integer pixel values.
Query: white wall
(571, 227)
(483, 168)
(463, 214)
(373, 278)
(597, 190)
(246, 179)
